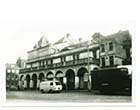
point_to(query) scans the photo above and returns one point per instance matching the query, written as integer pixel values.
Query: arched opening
(70, 75)
(59, 76)
(28, 81)
(92, 76)
(34, 77)
(21, 77)
(83, 78)
(21, 82)
(50, 76)
(41, 77)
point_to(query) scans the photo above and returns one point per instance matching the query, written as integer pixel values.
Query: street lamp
(89, 77)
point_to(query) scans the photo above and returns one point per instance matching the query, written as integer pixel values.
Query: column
(65, 83)
(76, 82)
(25, 84)
(38, 83)
(89, 83)
(31, 84)
(19, 84)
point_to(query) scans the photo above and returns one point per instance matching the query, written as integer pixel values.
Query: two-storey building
(115, 49)
(64, 60)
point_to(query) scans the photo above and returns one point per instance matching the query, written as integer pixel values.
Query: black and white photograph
(68, 55)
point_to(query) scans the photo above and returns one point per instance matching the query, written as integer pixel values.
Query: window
(86, 54)
(110, 46)
(69, 58)
(49, 62)
(57, 60)
(17, 71)
(102, 48)
(28, 65)
(8, 70)
(103, 61)
(57, 83)
(35, 64)
(13, 71)
(111, 60)
(51, 84)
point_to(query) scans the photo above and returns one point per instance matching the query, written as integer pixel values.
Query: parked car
(50, 86)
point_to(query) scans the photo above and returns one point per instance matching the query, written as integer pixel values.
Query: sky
(19, 37)
(22, 23)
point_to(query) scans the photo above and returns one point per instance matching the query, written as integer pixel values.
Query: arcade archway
(70, 75)
(34, 78)
(83, 78)
(41, 77)
(28, 81)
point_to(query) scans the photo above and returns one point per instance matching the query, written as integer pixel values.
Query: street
(70, 96)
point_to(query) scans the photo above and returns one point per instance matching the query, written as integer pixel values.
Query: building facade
(115, 49)
(12, 76)
(71, 62)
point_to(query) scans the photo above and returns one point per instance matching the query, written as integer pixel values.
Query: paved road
(72, 96)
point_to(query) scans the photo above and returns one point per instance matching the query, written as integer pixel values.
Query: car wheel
(42, 91)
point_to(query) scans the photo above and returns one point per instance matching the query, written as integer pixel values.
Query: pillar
(76, 82)
(38, 83)
(64, 80)
(65, 83)
(89, 83)
(31, 83)
(25, 84)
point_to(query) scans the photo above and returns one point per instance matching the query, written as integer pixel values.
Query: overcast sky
(22, 23)
(20, 37)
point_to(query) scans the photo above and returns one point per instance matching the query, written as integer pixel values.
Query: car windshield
(57, 83)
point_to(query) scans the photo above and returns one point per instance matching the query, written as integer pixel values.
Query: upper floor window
(110, 46)
(17, 71)
(102, 48)
(69, 58)
(86, 54)
(49, 62)
(35, 64)
(57, 60)
(13, 70)
(28, 65)
(8, 70)
(111, 60)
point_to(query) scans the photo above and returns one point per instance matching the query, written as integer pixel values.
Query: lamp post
(89, 77)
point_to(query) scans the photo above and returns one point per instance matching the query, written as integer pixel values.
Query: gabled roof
(79, 45)
(42, 42)
(65, 39)
(119, 37)
(97, 37)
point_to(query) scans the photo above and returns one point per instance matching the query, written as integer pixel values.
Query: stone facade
(73, 61)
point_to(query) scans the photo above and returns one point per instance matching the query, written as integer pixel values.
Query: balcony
(86, 60)
(59, 65)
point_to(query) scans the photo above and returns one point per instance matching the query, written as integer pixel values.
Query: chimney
(68, 35)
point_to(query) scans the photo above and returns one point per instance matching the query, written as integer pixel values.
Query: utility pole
(89, 77)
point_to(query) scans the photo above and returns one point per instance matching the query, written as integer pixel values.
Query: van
(50, 86)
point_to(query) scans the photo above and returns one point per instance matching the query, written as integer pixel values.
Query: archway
(28, 81)
(59, 76)
(21, 77)
(92, 76)
(83, 78)
(50, 75)
(70, 75)
(34, 78)
(41, 77)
